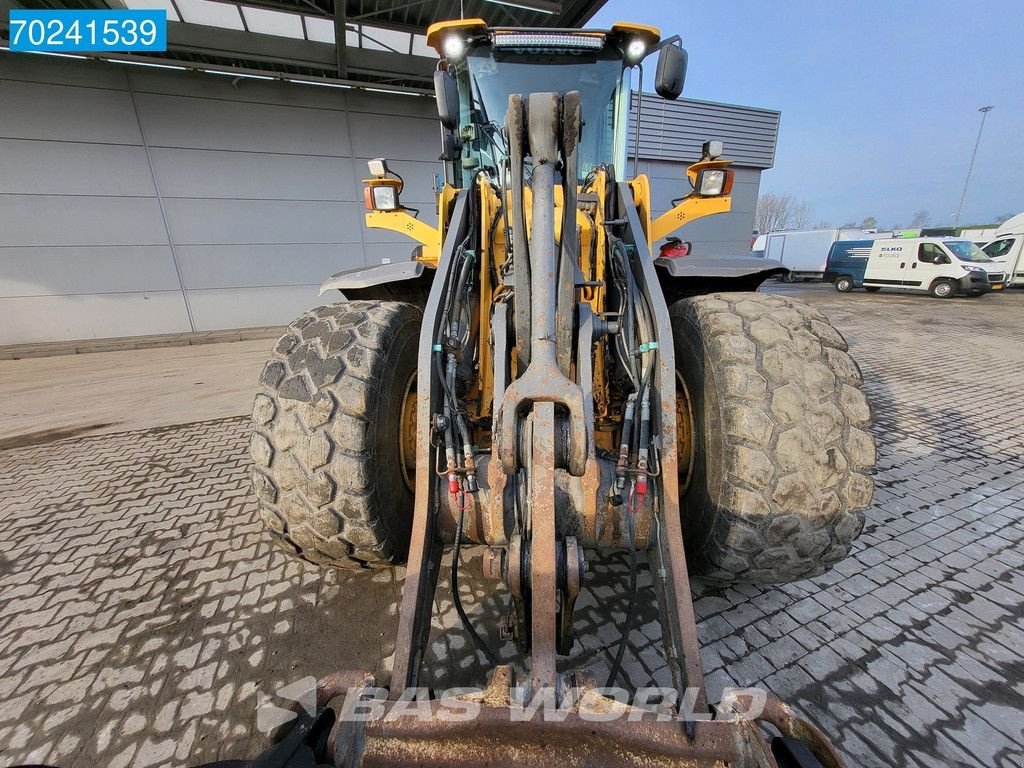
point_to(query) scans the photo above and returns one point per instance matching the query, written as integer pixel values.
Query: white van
(1007, 249)
(941, 266)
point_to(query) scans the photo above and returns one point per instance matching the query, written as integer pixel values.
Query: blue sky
(879, 99)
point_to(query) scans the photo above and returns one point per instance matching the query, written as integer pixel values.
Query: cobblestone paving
(143, 614)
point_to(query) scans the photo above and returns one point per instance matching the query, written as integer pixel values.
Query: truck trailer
(1007, 249)
(805, 251)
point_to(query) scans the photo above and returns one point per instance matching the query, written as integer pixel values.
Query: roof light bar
(546, 40)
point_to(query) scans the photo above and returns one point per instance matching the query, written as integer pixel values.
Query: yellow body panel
(402, 221)
(650, 35)
(437, 30)
(690, 209)
(641, 187)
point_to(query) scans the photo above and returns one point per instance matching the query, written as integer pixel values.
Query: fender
(366, 277)
(696, 275)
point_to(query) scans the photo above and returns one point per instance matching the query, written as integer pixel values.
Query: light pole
(984, 112)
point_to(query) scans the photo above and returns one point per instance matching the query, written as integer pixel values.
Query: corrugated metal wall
(674, 130)
(140, 201)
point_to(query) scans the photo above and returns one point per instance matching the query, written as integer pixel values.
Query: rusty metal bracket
(543, 381)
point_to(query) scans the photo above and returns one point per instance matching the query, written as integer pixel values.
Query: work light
(378, 167)
(385, 198)
(635, 50)
(454, 46)
(713, 182)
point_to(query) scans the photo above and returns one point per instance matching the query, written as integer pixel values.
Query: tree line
(781, 210)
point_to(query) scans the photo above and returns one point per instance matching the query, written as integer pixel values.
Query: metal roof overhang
(355, 42)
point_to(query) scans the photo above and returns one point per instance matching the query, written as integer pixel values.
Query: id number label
(88, 31)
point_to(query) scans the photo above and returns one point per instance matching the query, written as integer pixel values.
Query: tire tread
(796, 462)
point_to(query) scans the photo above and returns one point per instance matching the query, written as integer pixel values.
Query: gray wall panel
(73, 168)
(79, 220)
(252, 175)
(176, 121)
(66, 113)
(62, 72)
(238, 222)
(233, 266)
(228, 88)
(61, 318)
(396, 250)
(392, 104)
(80, 270)
(409, 139)
(247, 307)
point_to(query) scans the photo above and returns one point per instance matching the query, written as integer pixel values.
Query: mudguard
(366, 277)
(697, 275)
(721, 266)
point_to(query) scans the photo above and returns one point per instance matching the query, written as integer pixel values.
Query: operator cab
(483, 66)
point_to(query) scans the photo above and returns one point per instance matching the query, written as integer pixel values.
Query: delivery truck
(805, 251)
(941, 266)
(1007, 249)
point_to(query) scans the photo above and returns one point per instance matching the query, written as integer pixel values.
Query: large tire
(781, 448)
(326, 441)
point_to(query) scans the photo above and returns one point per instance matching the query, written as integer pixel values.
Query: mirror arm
(667, 41)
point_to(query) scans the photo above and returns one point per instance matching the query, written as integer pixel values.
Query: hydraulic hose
(630, 610)
(456, 598)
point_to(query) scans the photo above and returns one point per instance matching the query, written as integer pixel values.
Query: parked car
(943, 267)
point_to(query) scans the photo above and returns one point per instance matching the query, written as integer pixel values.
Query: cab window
(929, 252)
(998, 248)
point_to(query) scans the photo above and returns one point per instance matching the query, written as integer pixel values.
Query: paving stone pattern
(144, 615)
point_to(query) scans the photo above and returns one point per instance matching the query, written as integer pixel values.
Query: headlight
(713, 182)
(384, 198)
(454, 46)
(635, 50)
(972, 268)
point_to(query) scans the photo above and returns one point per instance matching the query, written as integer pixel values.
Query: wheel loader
(534, 380)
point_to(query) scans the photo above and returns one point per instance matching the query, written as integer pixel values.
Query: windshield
(489, 76)
(965, 250)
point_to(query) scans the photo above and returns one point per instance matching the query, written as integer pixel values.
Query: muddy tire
(328, 469)
(782, 450)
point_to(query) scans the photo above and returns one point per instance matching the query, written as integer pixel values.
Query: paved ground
(142, 611)
(52, 398)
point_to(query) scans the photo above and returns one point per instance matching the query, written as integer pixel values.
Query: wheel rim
(942, 289)
(407, 434)
(684, 434)
(844, 285)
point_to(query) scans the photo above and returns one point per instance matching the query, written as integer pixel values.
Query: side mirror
(942, 260)
(446, 91)
(671, 72)
(450, 148)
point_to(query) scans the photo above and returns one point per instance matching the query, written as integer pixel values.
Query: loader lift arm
(549, 398)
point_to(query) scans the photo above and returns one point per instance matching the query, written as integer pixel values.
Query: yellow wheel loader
(534, 380)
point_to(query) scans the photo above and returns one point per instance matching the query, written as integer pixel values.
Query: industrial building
(216, 185)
